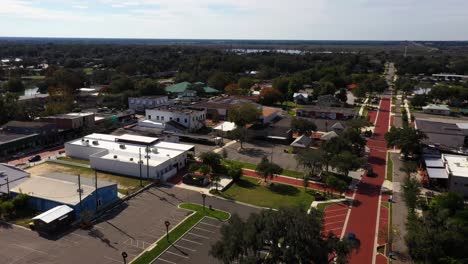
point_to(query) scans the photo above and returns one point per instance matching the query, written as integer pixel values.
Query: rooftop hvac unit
(131, 159)
(155, 150)
(122, 146)
(115, 156)
(95, 142)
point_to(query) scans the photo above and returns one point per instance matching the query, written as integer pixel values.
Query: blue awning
(437, 173)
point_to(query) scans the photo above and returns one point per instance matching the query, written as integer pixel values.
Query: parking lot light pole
(124, 256)
(204, 197)
(167, 224)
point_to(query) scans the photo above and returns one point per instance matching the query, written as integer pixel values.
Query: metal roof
(437, 173)
(54, 214)
(15, 177)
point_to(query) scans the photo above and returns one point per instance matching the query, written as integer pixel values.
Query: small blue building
(55, 189)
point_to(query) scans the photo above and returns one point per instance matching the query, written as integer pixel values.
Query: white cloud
(258, 19)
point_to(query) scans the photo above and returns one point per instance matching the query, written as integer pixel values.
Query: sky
(237, 19)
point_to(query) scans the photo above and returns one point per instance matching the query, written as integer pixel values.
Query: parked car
(35, 158)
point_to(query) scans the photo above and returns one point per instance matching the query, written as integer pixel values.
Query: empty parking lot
(130, 227)
(194, 246)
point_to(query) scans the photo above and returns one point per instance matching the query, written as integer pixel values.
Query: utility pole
(147, 161)
(96, 190)
(79, 192)
(8, 187)
(139, 162)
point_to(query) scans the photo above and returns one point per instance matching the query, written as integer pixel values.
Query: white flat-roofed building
(126, 154)
(185, 119)
(457, 169)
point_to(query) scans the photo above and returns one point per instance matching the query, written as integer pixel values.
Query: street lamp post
(167, 224)
(124, 256)
(204, 197)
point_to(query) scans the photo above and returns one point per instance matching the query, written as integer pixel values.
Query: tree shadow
(246, 184)
(283, 189)
(99, 235)
(252, 152)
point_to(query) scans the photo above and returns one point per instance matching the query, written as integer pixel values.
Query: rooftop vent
(122, 146)
(155, 150)
(95, 142)
(131, 159)
(115, 156)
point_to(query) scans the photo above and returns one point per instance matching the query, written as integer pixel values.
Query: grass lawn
(74, 160)
(124, 183)
(180, 230)
(389, 167)
(251, 190)
(250, 166)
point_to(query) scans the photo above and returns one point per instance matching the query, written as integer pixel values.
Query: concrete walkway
(400, 212)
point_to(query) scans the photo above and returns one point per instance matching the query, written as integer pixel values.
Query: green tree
(311, 160)
(268, 169)
(411, 190)
(327, 88)
(219, 80)
(270, 96)
(342, 95)
(211, 159)
(407, 139)
(148, 87)
(290, 235)
(14, 85)
(282, 84)
(303, 126)
(355, 140)
(239, 134)
(346, 161)
(243, 114)
(121, 83)
(234, 171)
(245, 83)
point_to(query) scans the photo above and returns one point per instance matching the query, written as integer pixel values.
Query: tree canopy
(267, 168)
(303, 126)
(243, 114)
(289, 235)
(407, 139)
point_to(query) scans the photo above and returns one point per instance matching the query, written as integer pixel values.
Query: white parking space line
(209, 231)
(32, 249)
(332, 216)
(210, 224)
(193, 234)
(112, 259)
(176, 254)
(167, 261)
(194, 242)
(177, 245)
